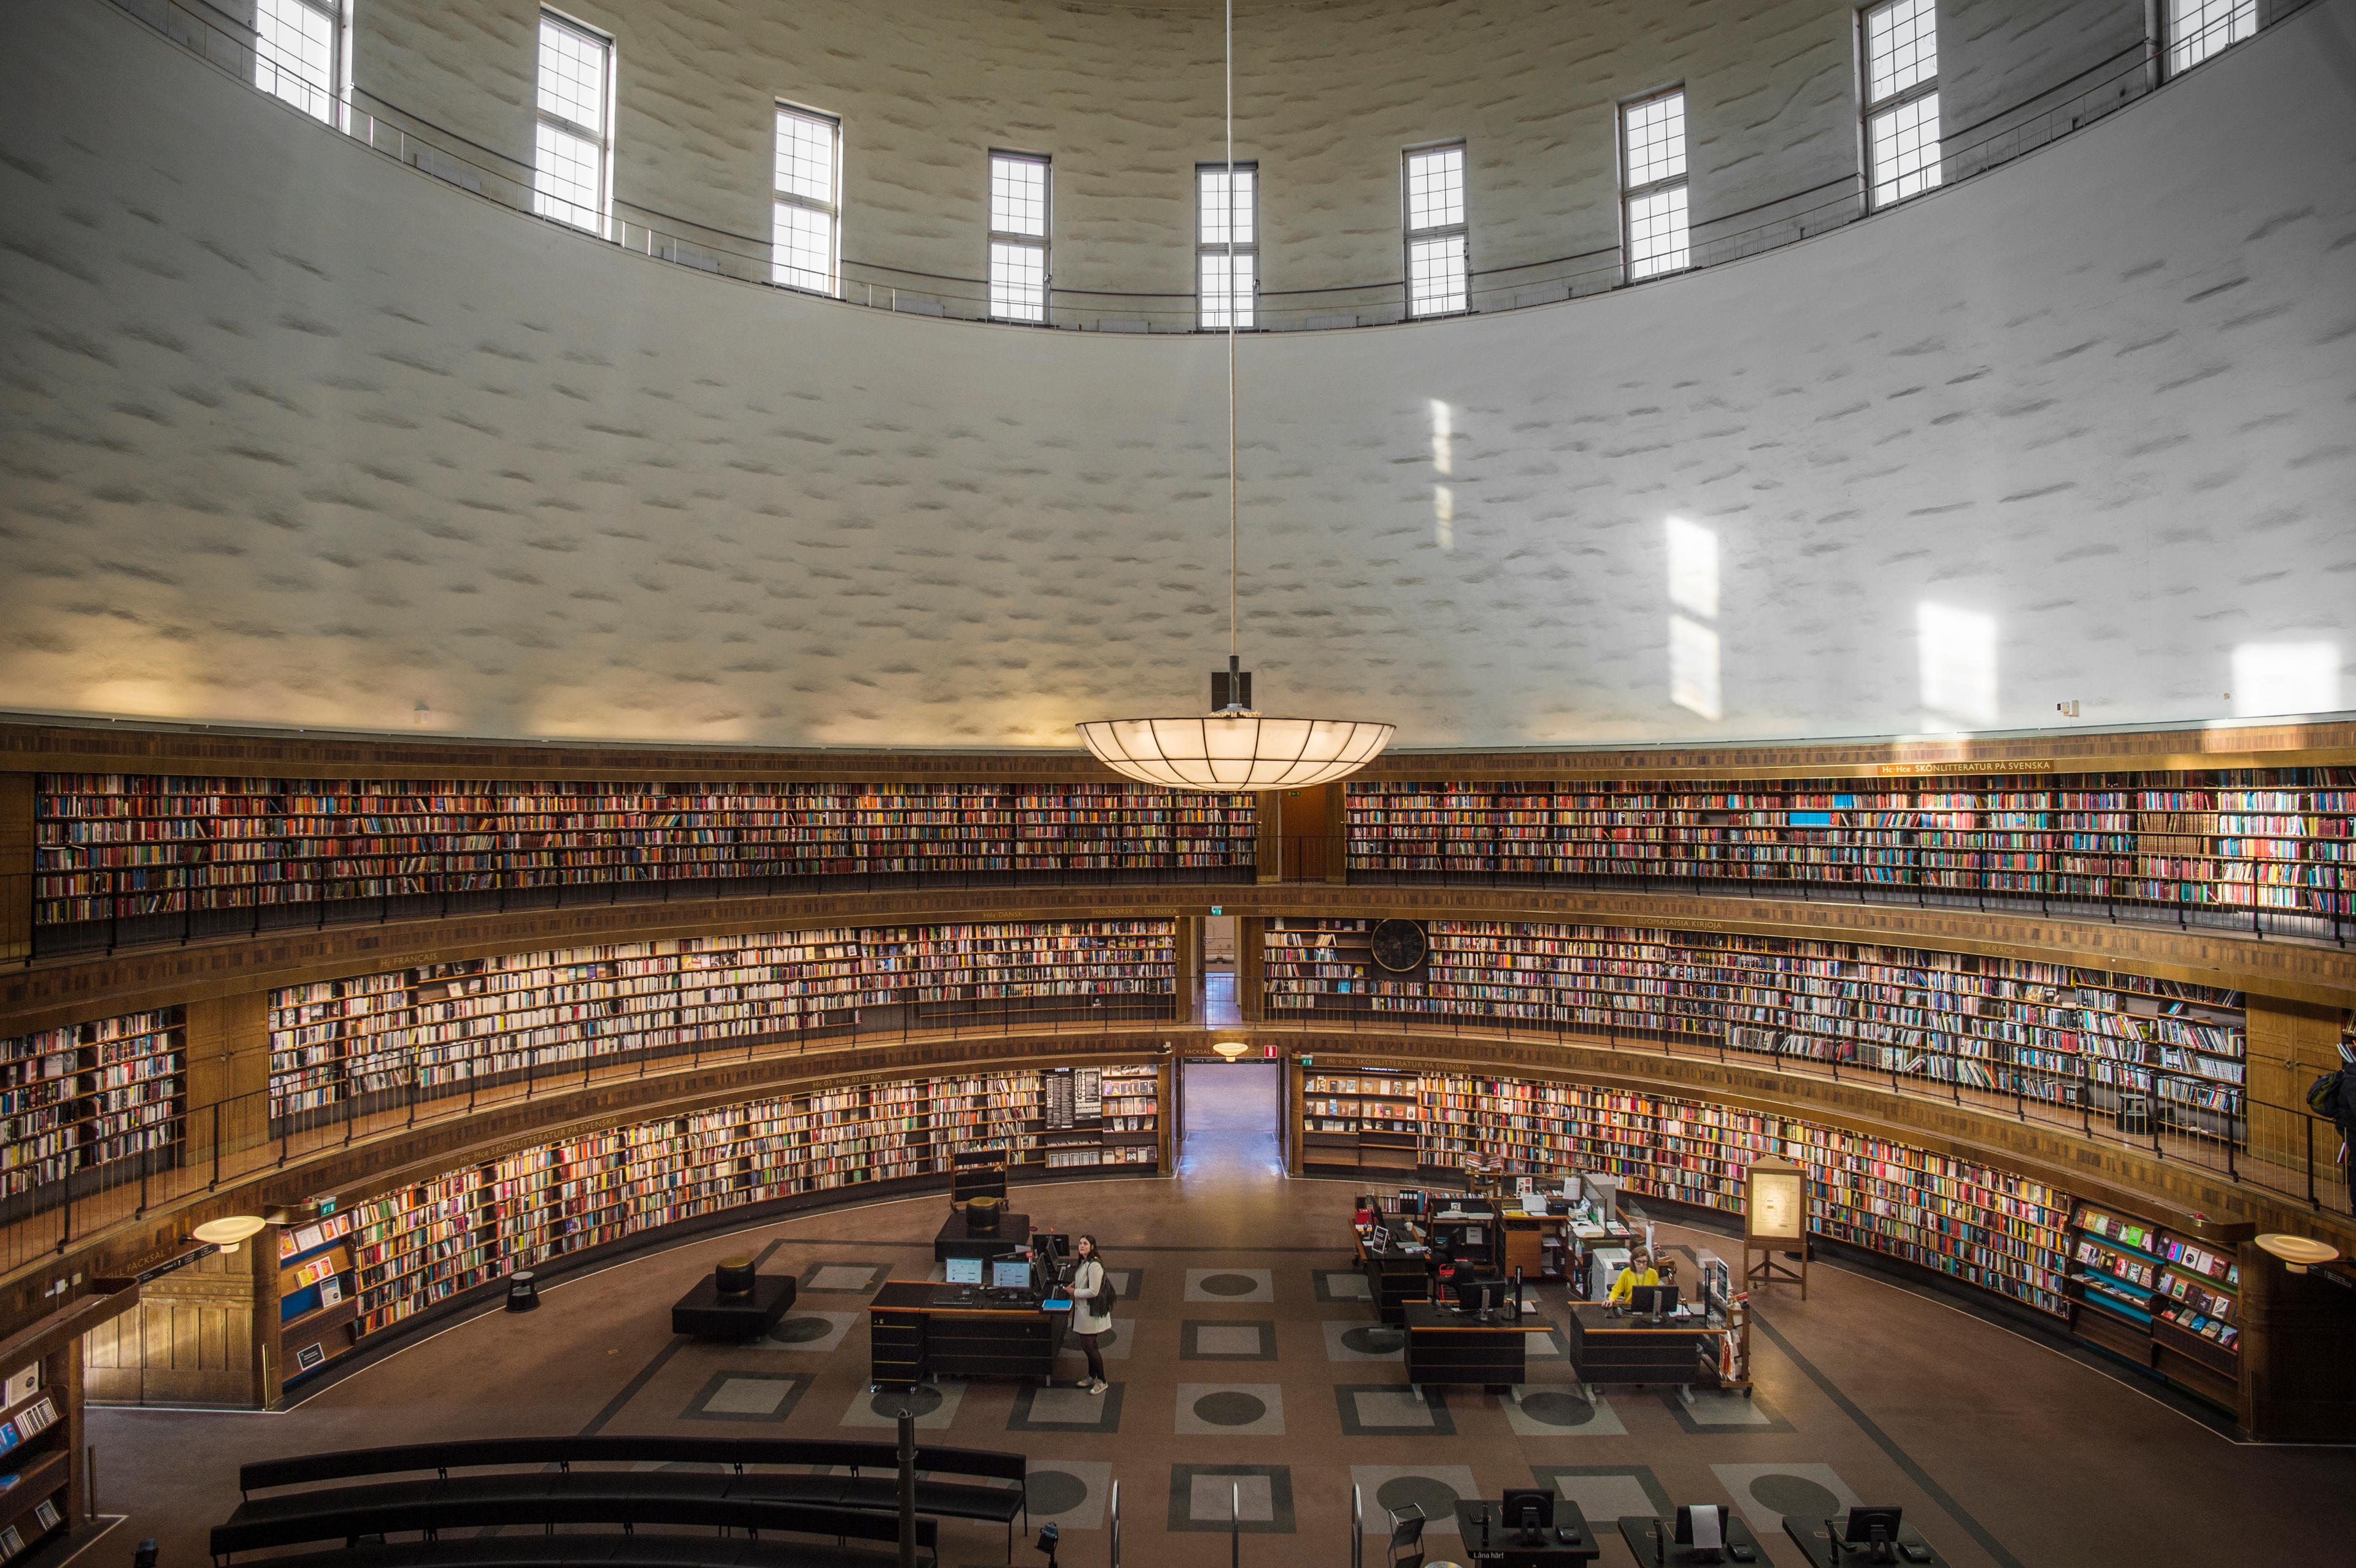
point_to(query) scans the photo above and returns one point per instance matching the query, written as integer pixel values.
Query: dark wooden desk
(1394, 1278)
(1815, 1537)
(1013, 1234)
(1606, 1349)
(706, 1314)
(914, 1334)
(1643, 1537)
(1503, 1551)
(1445, 1347)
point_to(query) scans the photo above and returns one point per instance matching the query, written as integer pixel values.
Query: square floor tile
(1254, 1341)
(1561, 1410)
(844, 1276)
(1606, 1493)
(1716, 1410)
(1071, 1492)
(1230, 1410)
(1341, 1285)
(747, 1396)
(1231, 1285)
(935, 1406)
(1066, 1409)
(1129, 1284)
(1204, 1498)
(1434, 1489)
(821, 1332)
(1768, 1494)
(1356, 1340)
(1393, 1409)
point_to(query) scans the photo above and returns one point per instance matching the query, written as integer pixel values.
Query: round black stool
(523, 1292)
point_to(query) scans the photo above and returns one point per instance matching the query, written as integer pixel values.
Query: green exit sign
(1215, 909)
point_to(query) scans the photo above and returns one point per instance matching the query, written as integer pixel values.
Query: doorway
(1304, 829)
(1230, 1116)
(1220, 1009)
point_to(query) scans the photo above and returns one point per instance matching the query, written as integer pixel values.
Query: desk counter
(1644, 1537)
(1503, 1550)
(918, 1330)
(957, 1239)
(1815, 1537)
(1445, 1346)
(1394, 1278)
(1609, 1350)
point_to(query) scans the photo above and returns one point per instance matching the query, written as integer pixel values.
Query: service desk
(1607, 1349)
(1394, 1277)
(1445, 1346)
(1012, 1234)
(1815, 1537)
(1488, 1539)
(918, 1330)
(1644, 1536)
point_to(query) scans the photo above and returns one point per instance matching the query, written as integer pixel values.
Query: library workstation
(1369, 784)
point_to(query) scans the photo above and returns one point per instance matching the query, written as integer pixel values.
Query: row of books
(2136, 1273)
(89, 1094)
(426, 1242)
(153, 843)
(1987, 1226)
(447, 1024)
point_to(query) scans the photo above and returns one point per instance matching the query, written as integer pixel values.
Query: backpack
(1107, 1294)
(2323, 1097)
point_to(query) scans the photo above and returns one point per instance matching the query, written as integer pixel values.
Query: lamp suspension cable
(1234, 748)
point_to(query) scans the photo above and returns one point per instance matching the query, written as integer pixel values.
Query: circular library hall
(1316, 783)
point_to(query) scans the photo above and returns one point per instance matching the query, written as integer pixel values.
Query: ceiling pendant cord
(1235, 554)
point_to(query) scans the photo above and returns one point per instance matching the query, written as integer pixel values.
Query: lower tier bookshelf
(1975, 1224)
(371, 1269)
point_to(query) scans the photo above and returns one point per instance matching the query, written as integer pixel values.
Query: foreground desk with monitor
(1654, 1542)
(1828, 1543)
(1395, 1276)
(1607, 1349)
(918, 1330)
(1445, 1346)
(1492, 1540)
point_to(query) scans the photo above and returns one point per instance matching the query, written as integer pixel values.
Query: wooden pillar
(17, 799)
(1251, 967)
(1189, 937)
(61, 1370)
(1166, 1097)
(1337, 832)
(1288, 1107)
(2289, 1044)
(2298, 1353)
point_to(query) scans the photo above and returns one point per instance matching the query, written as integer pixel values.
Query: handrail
(1988, 143)
(1116, 1523)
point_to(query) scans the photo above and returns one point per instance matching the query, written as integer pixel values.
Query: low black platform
(708, 1313)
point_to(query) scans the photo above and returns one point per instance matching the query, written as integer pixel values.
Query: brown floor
(2000, 1449)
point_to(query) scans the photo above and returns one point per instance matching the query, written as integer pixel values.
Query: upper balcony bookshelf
(126, 857)
(2221, 847)
(350, 1046)
(2058, 1033)
(89, 1104)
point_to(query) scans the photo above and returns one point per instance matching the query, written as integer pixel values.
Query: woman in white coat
(1089, 1322)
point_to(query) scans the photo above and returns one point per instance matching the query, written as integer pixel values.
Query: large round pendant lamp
(1234, 748)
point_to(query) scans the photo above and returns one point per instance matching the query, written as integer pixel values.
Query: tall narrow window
(1226, 245)
(802, 247)
(1652, 182)
(1436, 264)
(298, 53)
(2200, 29)
(571, 171)
(1900, 46)
(1018, 237)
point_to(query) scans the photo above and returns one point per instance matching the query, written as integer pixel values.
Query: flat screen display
(963, 1271)
(1010, 1274)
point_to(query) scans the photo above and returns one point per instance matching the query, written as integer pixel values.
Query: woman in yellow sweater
(1638, 1272)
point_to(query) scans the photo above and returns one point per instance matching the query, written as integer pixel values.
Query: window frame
(1248, 318)
(1870, 109)
(1460, 231)
(2164, 27)
(1042, 242)
(831, 209)
(338, 85)
(1630, 193)
(602, 136)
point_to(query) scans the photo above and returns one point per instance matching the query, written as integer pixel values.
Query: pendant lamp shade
(1234, 751)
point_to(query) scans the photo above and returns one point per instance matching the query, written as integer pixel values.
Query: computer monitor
(1652, 1300)
(1528, 1509)
(1876, 1528)
(1702, 1526)
(1469, 1291)
(962, 1271)
(1010, 1274)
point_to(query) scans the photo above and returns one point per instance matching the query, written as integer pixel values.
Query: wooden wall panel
(189, 1340)
(16, 796)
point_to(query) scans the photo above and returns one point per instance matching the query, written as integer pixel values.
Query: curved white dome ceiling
(291, 435)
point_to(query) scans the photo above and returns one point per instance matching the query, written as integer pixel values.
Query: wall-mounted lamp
(2299, 1253)
(1229, 1049)
(227, 1233)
